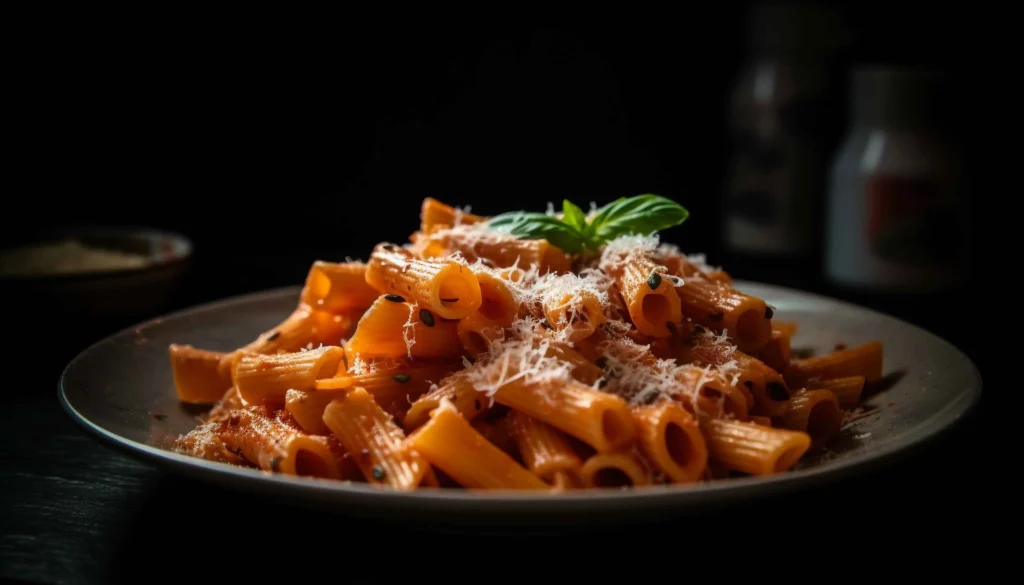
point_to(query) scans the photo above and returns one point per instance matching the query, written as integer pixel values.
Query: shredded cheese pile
(631, 369)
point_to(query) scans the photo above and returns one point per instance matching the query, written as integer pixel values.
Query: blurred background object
(785, 119)
(898, 218)
(93, 274)
(268, 152)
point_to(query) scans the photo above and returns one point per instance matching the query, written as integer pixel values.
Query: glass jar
(896, 218)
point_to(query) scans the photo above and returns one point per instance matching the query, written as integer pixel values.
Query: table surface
(72, 510)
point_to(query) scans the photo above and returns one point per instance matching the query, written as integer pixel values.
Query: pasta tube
(615, 470)
(197, 376)
(671, 440)
(264, 379)
(445, 287)
(376, 443)
(449, 442)
(754, 449)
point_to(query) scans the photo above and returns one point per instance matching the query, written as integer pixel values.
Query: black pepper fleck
(654, 280)
(401, 378)
(671, 327)
(378, 472)
(427, 317)
(395, 298)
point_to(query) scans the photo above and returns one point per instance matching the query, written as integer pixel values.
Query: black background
(272, 140)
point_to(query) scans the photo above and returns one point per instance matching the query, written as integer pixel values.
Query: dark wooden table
(74, 511)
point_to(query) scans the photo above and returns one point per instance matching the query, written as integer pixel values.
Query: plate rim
(514, 500)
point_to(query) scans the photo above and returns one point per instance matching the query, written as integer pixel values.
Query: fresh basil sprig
(643, 214)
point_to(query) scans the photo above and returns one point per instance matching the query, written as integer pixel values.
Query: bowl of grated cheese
(95, 271)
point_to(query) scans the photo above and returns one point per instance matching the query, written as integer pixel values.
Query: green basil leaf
(536, 226)
(643, 214)
(574, 216)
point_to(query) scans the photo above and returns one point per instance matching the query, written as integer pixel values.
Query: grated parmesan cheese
(409, 331)
(359, 366)
(625, 249)
(515, 359)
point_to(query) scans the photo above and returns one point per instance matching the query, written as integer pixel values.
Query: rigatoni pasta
(545, 450)
(264, 379)
(338, 287)
(480, 358)
(375, 442)
(447, 288)
(617, 469)
(197, 376)
(450, 443)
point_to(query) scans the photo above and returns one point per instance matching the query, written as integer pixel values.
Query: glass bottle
(786, 113)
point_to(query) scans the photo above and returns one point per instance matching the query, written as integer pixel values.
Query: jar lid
(796, 28)
(898, 96)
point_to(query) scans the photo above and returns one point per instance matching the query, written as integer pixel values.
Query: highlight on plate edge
(535, 351)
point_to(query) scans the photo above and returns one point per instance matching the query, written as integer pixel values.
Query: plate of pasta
(545, 361)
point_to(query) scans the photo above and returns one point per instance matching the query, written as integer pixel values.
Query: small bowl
(96, 271)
